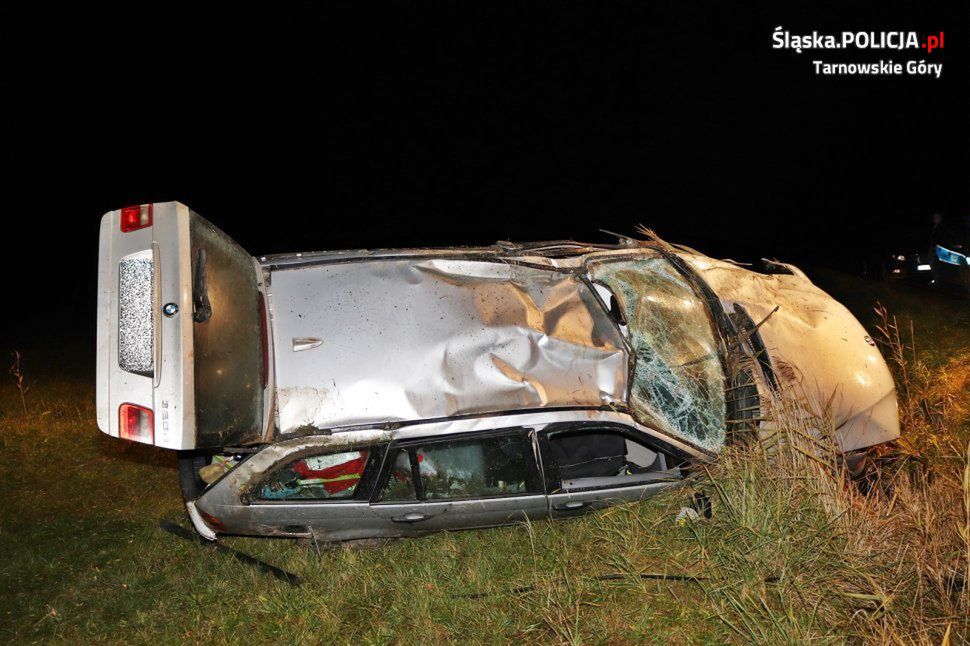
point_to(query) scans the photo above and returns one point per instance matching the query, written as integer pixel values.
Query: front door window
(605, 458)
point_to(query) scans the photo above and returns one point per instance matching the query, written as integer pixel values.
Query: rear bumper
(204, 530)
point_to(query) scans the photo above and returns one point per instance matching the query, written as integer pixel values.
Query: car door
(590, 466)
(460, 481)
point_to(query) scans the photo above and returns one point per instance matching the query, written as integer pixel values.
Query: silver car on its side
(370, 394)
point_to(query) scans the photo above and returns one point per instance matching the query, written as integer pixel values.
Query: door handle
(570, 506)
(305, 343)
(412, 517)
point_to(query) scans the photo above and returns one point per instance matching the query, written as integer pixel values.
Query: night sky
(313, 127)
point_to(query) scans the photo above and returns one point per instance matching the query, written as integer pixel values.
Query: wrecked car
(384, 393)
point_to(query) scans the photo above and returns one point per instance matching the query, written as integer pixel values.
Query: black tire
(189, 464)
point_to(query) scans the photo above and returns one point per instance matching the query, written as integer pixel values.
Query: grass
(790, 554)
(84, 560)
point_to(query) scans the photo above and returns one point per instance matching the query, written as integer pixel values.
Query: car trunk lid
(181, 361)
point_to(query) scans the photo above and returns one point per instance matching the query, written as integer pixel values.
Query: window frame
(677, 458)
(372, 468)
(534, 478)
(722, 329)
(614, 312)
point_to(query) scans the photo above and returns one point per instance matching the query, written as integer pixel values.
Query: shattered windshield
(678, 380)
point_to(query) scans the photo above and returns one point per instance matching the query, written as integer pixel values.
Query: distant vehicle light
(923, 267)
(895, 271)
(951, 257)
(136, 423)
(900, 258)
(136, 217)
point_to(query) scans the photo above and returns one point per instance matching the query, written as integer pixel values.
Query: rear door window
(326, 476)
(453, 469)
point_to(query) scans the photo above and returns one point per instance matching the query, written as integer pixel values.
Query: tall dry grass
(797, 550)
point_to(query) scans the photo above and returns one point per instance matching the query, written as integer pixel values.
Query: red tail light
(265, 338)
(214, 523)
(136, 423)
(136, 217)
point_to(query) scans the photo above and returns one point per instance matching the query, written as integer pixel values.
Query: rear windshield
(228, 354)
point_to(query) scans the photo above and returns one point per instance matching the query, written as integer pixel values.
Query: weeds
(797, 552)
(18, 379)
(928, 402)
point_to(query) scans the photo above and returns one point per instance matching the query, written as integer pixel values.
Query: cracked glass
(678, 379)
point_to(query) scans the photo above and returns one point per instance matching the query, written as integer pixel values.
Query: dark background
(313, 127)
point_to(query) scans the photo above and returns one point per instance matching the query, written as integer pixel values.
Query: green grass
(84, 560)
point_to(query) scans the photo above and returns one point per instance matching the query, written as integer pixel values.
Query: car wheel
(189, 463)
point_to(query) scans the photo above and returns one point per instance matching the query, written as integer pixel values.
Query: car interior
(489, 466)
(604, 458)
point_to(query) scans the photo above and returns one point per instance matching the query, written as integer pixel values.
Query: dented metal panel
(817, 346)
(425, 338)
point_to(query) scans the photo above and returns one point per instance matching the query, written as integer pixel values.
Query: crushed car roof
(401, 337)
